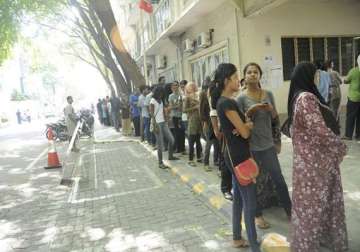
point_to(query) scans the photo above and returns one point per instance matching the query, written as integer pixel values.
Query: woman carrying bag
(237, 152)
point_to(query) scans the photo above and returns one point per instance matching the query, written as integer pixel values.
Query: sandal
(242, 243)
(163, 166)
(192, 163)
(261, 223)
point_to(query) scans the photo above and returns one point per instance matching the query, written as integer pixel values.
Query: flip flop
(262, 223)
(240, 243)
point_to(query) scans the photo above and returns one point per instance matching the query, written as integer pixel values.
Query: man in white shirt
(71, 121)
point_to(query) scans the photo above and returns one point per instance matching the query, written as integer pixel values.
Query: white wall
(223, 21)
(295, 18)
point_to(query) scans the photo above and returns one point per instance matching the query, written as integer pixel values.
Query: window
(206, 65)
(347, 57)
(162, 17)
(318, 49)
(303, 45)
(170, 74)
(333, 52)
(342, 50)
(288, 56)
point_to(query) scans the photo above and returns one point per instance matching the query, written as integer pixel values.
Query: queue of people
(317, 209)
(239, 120)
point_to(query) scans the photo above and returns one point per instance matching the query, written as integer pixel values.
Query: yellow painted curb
(174, 171)
(198, 188)
(217, 201)
(274, 242)
(185, 178)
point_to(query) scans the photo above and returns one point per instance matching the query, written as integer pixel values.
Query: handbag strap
(228, 151)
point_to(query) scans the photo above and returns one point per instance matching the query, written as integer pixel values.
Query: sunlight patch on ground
(354, 195)
(4, 187)
(49, 234)
(109, 183)
(15, 204)
(10, 155)
(120, 241)
(94, 234)
(42, 175)
(211, 245)
(26, 190)
(16, 171)
(8, 228)
(6, 245)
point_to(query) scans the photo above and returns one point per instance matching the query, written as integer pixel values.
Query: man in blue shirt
(135, 111)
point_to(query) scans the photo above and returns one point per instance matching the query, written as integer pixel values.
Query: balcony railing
(164, 15)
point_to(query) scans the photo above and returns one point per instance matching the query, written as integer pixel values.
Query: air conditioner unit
(203, 40)
(160, 62)
(188, 45)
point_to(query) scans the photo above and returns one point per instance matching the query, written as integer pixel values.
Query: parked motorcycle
(59, 130)
(88, 120)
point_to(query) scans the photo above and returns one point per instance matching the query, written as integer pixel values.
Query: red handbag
(245, 172)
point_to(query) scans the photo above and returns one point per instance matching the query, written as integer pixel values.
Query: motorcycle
(59, 130)
(87, 120)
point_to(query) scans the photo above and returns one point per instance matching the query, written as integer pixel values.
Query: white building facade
(187, 39)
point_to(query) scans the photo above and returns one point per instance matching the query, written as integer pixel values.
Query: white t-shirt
(158, 111)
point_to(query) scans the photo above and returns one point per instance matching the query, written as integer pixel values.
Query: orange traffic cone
(53, 159)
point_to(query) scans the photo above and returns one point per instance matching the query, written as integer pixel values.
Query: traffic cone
(53, 159)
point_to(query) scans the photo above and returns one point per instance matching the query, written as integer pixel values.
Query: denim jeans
(211, 142)
(244, 199)
(147, 135)
(164, 132)
(268, 160)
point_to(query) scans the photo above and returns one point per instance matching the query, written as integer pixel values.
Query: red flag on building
(146, 6)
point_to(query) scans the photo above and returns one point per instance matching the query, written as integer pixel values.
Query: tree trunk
(101, 41)
(105, 14)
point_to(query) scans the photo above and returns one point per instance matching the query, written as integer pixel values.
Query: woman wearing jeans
(158, 114)
(236, 132)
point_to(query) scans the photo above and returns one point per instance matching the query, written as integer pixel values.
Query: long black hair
(223, 71)
(302, 80)
(158, 93)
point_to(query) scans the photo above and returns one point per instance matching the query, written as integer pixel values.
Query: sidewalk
(121, 201)
(206, 185)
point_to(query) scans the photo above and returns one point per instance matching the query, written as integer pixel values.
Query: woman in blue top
(236, 132)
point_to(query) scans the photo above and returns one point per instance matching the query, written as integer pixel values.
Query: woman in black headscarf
(318, 205)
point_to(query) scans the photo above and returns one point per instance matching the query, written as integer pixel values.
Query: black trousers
(194, 139)
(226, 175)
(268, 160)
(352, 119)
(136, 122)
(179, 135)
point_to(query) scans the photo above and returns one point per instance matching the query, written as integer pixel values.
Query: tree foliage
(12, 15)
